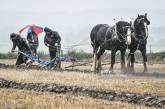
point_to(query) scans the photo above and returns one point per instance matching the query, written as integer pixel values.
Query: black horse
(139, 41)
(103, 37)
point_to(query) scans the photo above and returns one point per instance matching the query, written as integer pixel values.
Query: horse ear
(146, 15)
(138, 15)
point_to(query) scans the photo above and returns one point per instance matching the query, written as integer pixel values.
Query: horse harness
(115, 36)
(140, 40)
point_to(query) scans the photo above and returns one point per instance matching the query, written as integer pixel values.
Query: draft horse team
(122, 36)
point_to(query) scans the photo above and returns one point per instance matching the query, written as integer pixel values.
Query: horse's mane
(136, 20)
(121, 24)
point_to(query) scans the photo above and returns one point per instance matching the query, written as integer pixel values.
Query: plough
(43, 63)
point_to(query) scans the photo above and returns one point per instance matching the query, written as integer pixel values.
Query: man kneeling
(20, 42)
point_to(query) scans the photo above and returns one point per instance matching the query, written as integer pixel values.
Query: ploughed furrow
(148, 100)
(5, 66)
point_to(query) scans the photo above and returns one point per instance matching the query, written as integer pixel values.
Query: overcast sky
(76, 5)
(74, 19)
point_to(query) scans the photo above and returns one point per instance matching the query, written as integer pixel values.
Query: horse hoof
(127, 71)
(145, 71)
(130, 71)
(111, 72)
(92, 69)
(123, 70)
(97, 71)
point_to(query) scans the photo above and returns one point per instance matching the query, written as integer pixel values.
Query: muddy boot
(29, 63)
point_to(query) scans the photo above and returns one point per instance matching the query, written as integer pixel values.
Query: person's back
(32, 38)
(20, 42)
(56, 37)
(52, 41)
(33, 41)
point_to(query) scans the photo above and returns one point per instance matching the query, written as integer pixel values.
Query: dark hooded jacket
(51, 37)
(32, 38)
(19, 42)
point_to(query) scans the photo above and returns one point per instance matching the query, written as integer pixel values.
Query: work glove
(56, 45)
(47, 45)
(12, 50)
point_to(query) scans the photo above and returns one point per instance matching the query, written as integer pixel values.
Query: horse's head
(140, 25)
(142, 19)
(124, 31)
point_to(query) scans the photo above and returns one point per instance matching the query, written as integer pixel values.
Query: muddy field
(80, 88)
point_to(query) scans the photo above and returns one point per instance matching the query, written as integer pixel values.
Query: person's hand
(47, 45)
(12, 50)
(56, 45)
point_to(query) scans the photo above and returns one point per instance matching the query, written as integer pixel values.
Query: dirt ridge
(135, 98)
(5, 66)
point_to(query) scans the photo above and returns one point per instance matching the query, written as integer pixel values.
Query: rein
(122, 36)
(117, 38)
(139, 39)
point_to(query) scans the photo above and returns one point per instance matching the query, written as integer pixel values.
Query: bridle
(123, 36)
(142, 37)
(145, 27)
(115, 32)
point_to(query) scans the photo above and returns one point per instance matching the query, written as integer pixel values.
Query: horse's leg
(99, 66)
(143, 51)
(123, 68)
(132, 62)
(113, 52)
(93, 68)
(129, 62)
(100, 53)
